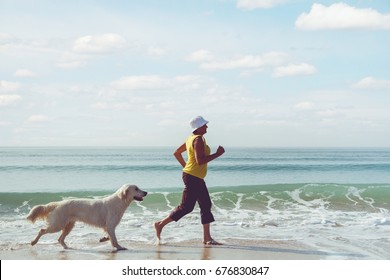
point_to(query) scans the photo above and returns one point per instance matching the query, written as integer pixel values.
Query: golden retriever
(104, 213)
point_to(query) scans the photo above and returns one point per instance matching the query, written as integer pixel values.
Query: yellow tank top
(192, 167)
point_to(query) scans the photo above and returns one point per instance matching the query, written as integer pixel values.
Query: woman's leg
(205, 203)
(207, 217)
(186, 206)
(188, 201)
(206, 233)
(160, 225)
(207, 239)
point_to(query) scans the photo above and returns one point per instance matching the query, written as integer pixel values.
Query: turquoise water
(337, 198)
(68, 169)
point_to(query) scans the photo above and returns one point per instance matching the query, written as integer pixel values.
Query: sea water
(335, 201)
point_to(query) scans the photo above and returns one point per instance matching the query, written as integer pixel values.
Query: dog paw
(104, 239)
(120, 248)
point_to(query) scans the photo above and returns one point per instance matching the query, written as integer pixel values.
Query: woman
(194, 172)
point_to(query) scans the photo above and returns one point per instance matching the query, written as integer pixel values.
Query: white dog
(105, 213)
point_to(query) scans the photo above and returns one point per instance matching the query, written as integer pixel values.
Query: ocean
(334, 201)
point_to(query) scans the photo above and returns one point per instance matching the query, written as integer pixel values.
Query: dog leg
(105, 237)
(114, 242)
(40, 233)
(65, 231)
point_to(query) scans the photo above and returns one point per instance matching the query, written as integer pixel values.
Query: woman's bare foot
(211, 242)
(158, 227)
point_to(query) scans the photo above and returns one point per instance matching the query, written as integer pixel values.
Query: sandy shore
(88, 261)
(191, 250)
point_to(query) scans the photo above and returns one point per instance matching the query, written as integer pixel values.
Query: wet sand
(232, 249)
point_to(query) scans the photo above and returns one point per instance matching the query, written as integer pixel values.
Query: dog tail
(40, 212)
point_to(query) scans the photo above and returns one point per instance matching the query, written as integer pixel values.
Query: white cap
(197, 122)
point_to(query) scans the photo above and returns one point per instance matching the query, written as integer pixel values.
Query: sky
(265, 73)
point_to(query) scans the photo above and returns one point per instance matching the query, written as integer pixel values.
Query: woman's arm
(200, 156)
(178, 154)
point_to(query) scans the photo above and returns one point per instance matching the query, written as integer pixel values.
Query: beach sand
(284, 258)
(278, 259)
(232, 249)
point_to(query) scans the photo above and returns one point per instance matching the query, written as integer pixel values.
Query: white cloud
(31, 45)
(268, 60)
(190, 79)
(25, 73)
(248, 61)
(329, 113)
(70, 60)
(200, 56)
(87, 47)
(304, 106)
(156, 51)
(6, 86)
(99, 44)
(156, 82)
(341, 16)
(37, 118)
(100, 106)
(294, 70)
(372, 84)
(257, 4)
(169, 122)
(3, 123)
(141, 83)
(5, 39)
(6, 99)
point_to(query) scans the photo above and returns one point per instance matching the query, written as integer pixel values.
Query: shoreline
(233, 249)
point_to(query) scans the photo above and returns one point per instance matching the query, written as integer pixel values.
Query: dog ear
(123, 193)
